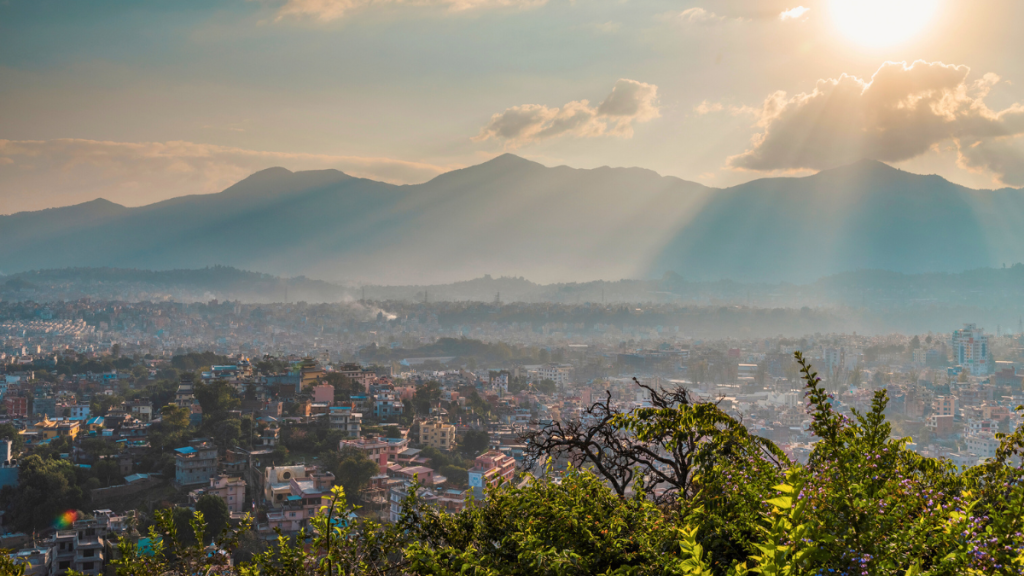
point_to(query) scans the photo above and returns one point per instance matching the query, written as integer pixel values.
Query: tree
(9, 432)
(351, 469)
(215, 512)
(426, 397)
(46, 488)
(456, 475)
(216, 399)
(546, 386)
(392, 432)
(475, 442)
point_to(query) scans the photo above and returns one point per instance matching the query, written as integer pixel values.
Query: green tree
(46, 488)
(351, 469)
(426, 396)
(215, 513)
(216, 399)
(474, 443)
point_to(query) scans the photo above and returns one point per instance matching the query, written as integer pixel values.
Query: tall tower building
(970, 350)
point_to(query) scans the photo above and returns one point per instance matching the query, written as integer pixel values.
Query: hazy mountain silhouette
(511, 216)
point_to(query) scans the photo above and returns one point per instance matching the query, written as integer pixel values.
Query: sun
(881, 23)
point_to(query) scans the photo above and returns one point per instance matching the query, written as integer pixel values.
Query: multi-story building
(387, 406)
(437, 434)
(345, 419)
(375, 449)
(489, 467)
(984, 444)
(141, 410)
(195, 463)
(282, 482)
(452, 501)
(184, 397)
(79, 412)
(17, 406)
(970, 350)
(940, 425)
(944, 405)
(560, 374)
(227, 488)
(83, 548)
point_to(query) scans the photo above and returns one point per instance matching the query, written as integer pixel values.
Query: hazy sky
(137, 101)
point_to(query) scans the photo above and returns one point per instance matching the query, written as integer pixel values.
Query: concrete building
(227, 488)
(437, 434)
(375, 449)
(560, 374)
(282, 482)
(345, 419)
(982, 444)
(79, 412)
(195, 463)
(970, 350)
(489, 467)
(141, 410)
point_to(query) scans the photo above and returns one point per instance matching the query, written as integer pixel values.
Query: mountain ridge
(517, 217)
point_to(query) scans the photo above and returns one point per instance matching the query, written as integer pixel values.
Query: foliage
(426, 396)
(727, 504)
(46, 488)
(474, 443)
(351, 468)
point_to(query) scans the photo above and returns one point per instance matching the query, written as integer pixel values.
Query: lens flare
(65, 520)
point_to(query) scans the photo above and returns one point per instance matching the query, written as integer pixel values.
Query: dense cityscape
(124, 408)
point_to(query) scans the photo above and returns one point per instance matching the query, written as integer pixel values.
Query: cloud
(42, 173)
(900, 113)
(630, 101)
(699, 16)
(794, 13)
(329, 10)
(707, 107)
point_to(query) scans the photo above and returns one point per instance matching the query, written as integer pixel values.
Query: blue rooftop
(185, 450)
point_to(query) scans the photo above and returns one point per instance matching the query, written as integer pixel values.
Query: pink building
(375, 449)
(229, 489)
(489, 467)
(324, 393)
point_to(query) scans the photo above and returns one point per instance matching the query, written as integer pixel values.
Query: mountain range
(513, 217)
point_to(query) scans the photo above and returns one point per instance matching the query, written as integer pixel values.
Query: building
(230, 489)
(345, 419)
(387, 406)
(17, 406)
(437, 434)
(983, 444)
(375, 449)
(940, 425)
(184, 397)
(282, 482)
(451, 501)
(195, 463)
(79, 412)
(944, 405)
(970, 350)
(560, 374)
(83, 548)
(37, 561)
(323, 393)
(489, 467)
(141, 410)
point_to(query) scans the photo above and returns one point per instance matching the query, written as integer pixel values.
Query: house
(277, 482)
(375, 449)
(227, 488)
(195, 463)
(345, 419)
(437, 434)
(141, 410)
(489, 467)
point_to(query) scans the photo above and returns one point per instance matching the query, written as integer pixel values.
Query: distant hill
(515, 218)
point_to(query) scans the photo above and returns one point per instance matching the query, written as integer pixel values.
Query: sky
(138, 101)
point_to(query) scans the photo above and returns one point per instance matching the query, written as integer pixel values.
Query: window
(87, 566)
(88, 553)
(64, 565)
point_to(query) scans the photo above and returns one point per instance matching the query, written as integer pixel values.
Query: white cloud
(794, 13)
(630, 101)
(900, 113)
(328, 10)
(707, 107)
(699, 15)
(42, 173)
